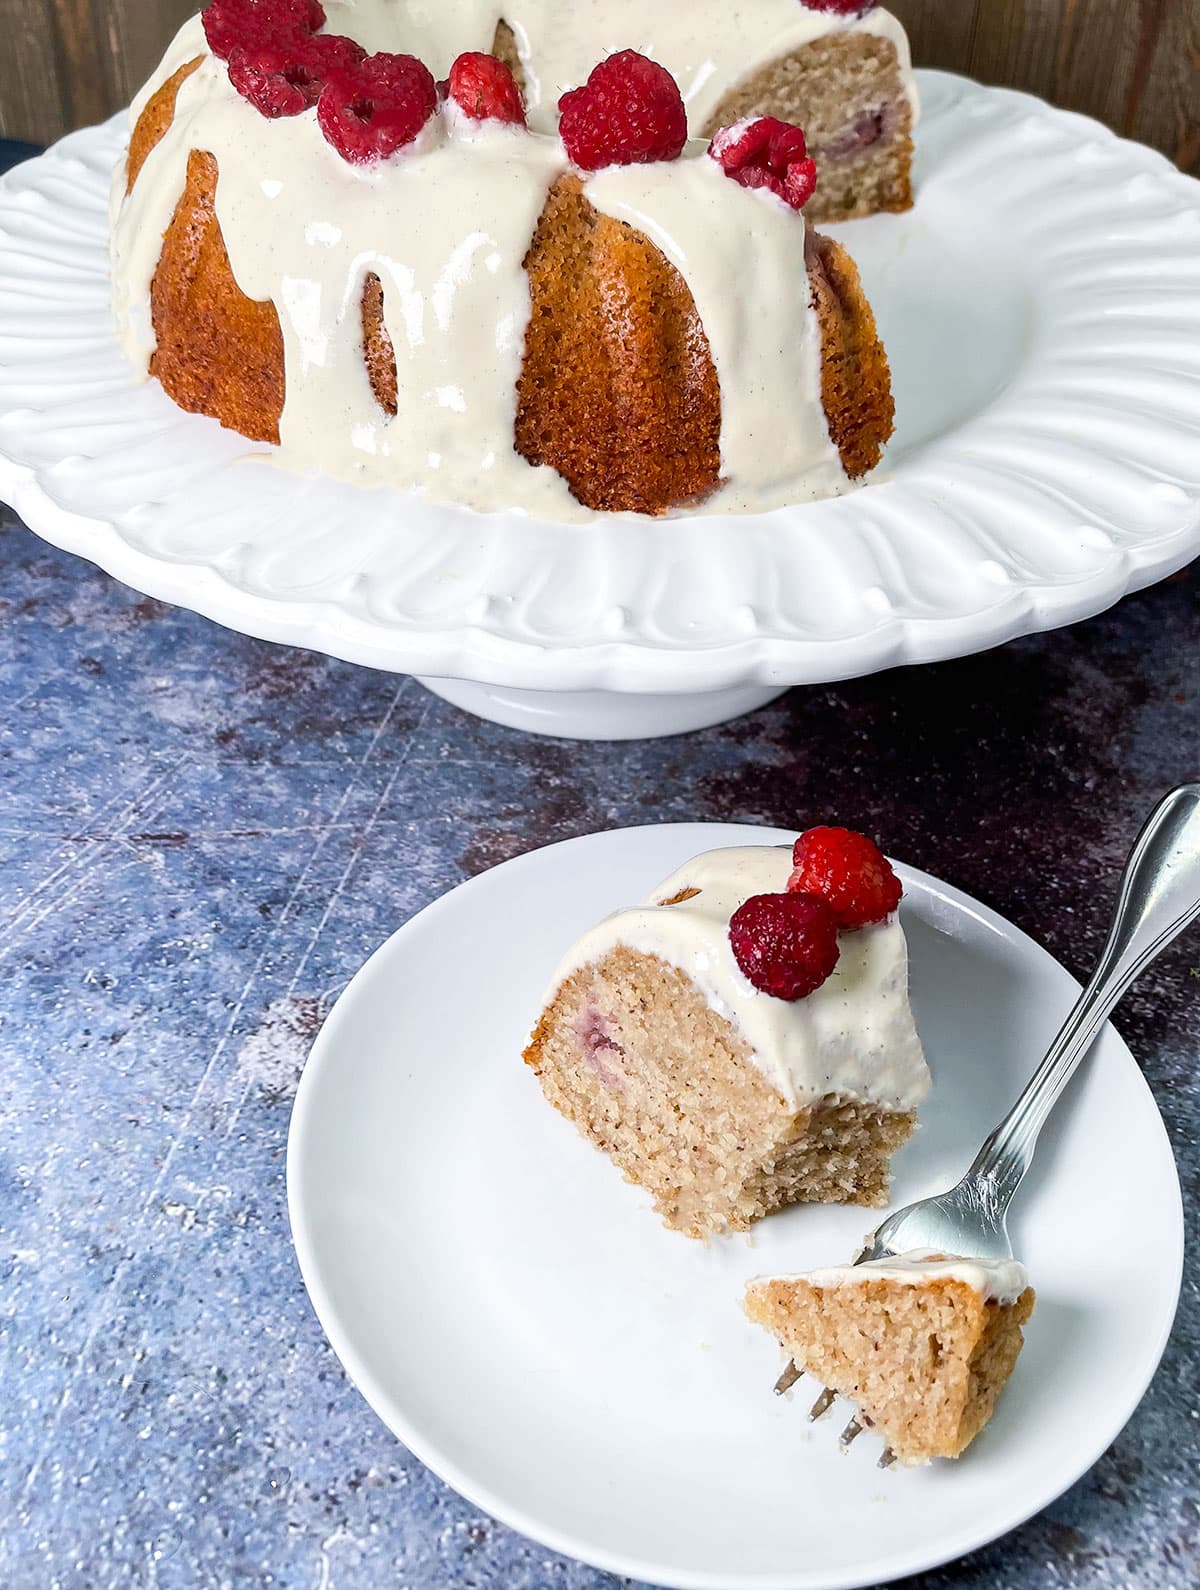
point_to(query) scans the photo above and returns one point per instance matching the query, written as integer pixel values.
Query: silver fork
(1158, 897)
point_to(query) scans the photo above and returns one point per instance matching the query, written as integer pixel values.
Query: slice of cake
(743, 1040)
(923, 1343)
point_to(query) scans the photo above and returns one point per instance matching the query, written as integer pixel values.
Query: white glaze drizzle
(996, 1280)
(303, 227)
(853, 1038)
(560, 41)
(717, 239)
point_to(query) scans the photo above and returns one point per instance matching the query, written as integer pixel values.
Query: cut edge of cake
(627, 1039)
(724, 1103)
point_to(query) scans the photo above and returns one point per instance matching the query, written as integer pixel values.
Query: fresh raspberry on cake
(485, 89)
(249, 24)
(629, 112)
(849, 872)
(764, 152)
(785, 944)
(374, 108)
(284, 79)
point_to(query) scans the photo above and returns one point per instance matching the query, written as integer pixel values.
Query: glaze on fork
(1158, 897)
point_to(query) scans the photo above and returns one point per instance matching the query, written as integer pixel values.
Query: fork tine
(788, 1379)
(858, 1423)
(823, 1404)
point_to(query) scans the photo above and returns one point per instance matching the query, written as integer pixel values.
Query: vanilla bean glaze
(853, 1038)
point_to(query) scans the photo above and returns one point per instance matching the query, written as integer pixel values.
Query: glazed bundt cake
(400, 282)
(741, 1042)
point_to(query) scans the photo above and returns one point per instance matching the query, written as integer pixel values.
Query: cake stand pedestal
(601, 714)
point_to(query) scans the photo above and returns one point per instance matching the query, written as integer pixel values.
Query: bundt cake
(743, 1040)
(402, 283)
(922, 1344)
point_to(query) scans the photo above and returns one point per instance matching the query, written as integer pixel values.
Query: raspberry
(249, 24)
(485, 89)
(764, 152)
(786, 944)
(843, 8)
(849, 872)
(285, 79)
(376, 106)
(629, 111)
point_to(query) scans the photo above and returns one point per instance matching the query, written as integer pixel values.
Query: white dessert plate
(516, 1314)
(1041, 310)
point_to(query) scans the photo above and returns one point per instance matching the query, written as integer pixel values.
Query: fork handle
(1159, 896)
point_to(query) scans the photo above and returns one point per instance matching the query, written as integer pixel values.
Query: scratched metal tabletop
(203, 836)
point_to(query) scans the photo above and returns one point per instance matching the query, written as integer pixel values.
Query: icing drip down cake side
(491, 312)
(726, 1101)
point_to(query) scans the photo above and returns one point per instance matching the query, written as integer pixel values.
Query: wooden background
(1133, 63)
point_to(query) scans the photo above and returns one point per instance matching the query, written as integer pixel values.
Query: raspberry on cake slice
(922, 1344)
(735, 1049)
(785, 944)
(849, 872)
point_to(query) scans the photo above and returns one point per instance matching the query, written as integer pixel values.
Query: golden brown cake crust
(856, 384)
(157, 116)
(617, 391)
(377, 345)
(218, 352)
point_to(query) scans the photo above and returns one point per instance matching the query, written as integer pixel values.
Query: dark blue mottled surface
(201, 838)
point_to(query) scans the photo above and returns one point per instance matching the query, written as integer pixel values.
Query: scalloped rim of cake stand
(1076, 480)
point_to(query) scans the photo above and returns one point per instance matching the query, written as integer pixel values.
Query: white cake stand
(1041, 310)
